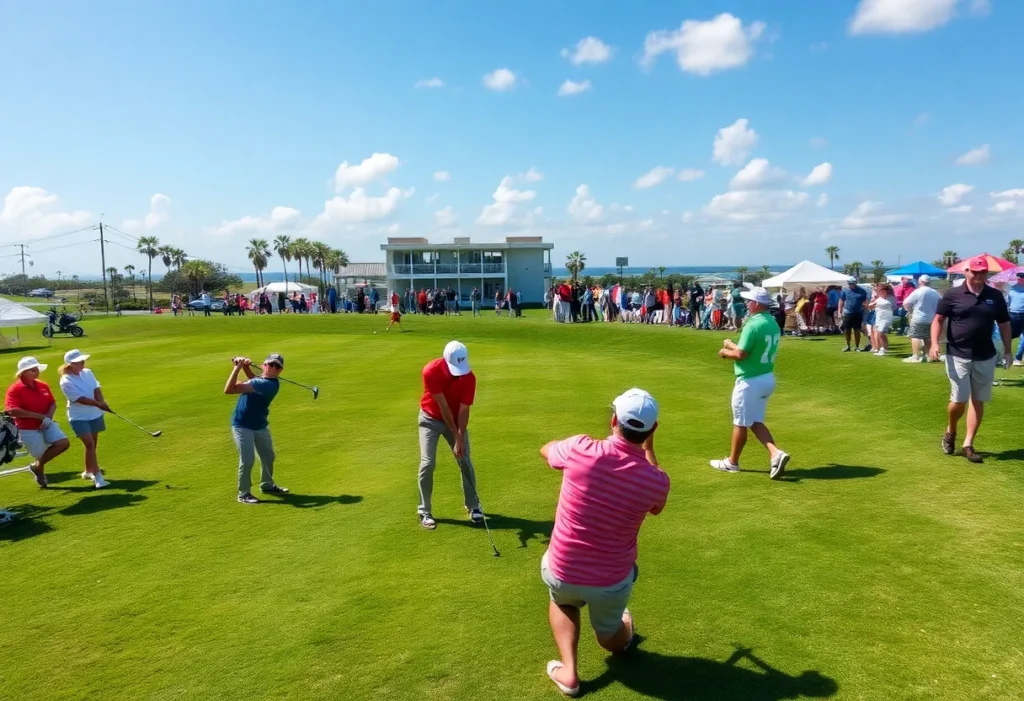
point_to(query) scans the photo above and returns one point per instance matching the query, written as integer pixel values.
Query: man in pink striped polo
(608, 488)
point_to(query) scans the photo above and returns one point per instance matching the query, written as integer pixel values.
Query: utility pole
(23, 267)
(103, 262)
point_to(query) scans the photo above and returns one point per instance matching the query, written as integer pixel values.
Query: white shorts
(36, 442)
(750, 399)
(883, 324)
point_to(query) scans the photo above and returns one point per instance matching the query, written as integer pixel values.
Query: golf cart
(62, 323)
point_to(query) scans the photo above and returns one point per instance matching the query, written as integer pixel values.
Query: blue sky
(208, 123)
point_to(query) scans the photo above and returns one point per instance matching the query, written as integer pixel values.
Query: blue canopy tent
(916, 270)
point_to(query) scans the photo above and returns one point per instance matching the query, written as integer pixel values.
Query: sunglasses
(275, 365)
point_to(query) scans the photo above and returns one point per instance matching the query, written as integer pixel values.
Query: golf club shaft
(132, 423)
(297, 384)
(15, 471)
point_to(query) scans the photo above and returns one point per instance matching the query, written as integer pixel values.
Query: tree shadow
(311, 501)
(119, 485)
(28, 523)
(526, 529)
(101, 502)
(677, 678)
(827, 472)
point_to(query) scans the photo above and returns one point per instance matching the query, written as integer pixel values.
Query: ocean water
(719, 270)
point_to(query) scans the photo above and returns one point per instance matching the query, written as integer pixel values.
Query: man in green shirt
(754, 358)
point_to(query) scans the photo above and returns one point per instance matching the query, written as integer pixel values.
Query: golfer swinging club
(449, 387)
(755, 382)
(250, 425)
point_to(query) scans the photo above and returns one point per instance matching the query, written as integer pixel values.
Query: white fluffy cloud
(975, 157)
(500, 80)
(584, 207)
(954, 193)
(359, 207)
(434, 82)
(588, 50)
(822, 200)
(32, 212)
(756, 175)
(532, 175)
(704, 48)
(821, 174)
(159, 213)
(570, 88)
(751, 206)
(503, 210)
(962, 209)
(445, 218)
(655, 176)
(734, 143)
(688, 175)
(908, 16)
(1008, 200)
(872, 215)
(278, 219)
(442, 176)
(373, 168)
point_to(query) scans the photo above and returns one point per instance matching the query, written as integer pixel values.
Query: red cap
(978, 264)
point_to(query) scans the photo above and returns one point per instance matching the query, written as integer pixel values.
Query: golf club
(488, 529)
(15, 471)
(155, 434)
(314, 389)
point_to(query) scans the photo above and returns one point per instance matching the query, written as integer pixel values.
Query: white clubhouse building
(520, 262)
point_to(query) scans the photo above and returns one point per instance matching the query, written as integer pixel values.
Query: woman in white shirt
(884, 312)
(85, 409)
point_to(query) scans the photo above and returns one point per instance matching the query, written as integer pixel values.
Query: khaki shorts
(606, 604)
(36, 442)
(970, 379)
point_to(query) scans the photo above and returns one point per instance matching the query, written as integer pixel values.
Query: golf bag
(10, 439)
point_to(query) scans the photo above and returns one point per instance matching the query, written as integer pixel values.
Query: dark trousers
(206, 310)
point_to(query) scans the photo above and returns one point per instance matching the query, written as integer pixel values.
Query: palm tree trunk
(150, 285)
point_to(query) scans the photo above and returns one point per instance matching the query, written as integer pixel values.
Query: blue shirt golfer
(250, 424)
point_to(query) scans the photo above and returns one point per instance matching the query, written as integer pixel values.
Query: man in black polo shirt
(972, 310)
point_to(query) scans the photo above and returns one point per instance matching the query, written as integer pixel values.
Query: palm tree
(576, 263)
(833, 255)
(879, 270)
(742, 271)
(196, 271)
(298, 252)
(258, 251)
(1014, 250)
(149, 246)
(855, 268)
(321, 255)
(283, 248)
(661, 271)
(178, 257)
(130, 270)
(166, 254)
(950, 258)
(766, 272)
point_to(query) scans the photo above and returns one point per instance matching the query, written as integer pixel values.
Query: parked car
(40, 292)
(216, 305)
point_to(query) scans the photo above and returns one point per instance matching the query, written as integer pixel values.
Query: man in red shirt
(449, 387)
(31, 404)
(564, 300)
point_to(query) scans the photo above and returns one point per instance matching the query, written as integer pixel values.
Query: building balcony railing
(547, 267)
(450, 269)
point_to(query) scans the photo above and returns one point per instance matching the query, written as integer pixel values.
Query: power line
(66, 245)
(47, 238)
(108, 227)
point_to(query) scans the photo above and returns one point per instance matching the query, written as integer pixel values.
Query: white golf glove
(46, 423)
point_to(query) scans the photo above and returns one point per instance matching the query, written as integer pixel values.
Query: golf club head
(157, 434)
(316, 392)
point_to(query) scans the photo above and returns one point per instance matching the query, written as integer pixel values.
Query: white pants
(750, 399)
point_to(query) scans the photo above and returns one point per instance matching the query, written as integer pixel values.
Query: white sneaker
(87, 475)
(880, 352)
(779, 463)
(724, 465)
(913, 359)
(1018, 363)
(100, 481)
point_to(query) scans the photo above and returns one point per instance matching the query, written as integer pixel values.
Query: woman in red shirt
(31, 404)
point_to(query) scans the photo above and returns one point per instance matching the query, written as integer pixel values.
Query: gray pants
(249, 444)
(430, 431)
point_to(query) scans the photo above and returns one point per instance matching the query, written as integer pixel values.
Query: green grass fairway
(881, 569)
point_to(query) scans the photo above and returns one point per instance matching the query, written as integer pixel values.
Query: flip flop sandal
(553, 666)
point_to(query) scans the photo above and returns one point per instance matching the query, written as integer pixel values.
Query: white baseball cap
(759, 295)
(852, 280)
(27, 363)
(75, 356)
(636, 409)
(924, 279)
(457, 357)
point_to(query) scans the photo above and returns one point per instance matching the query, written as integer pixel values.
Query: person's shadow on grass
(827, 472)
(526, 529)
(79, 485)
(26, 524)
(103, 501)
(678, 678)
(311, 501)
(1015, 454)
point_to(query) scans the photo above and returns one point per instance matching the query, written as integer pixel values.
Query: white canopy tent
(13, 315)
(805, 274)
(287, 287)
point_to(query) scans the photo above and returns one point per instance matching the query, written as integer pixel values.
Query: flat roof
(404, 243)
